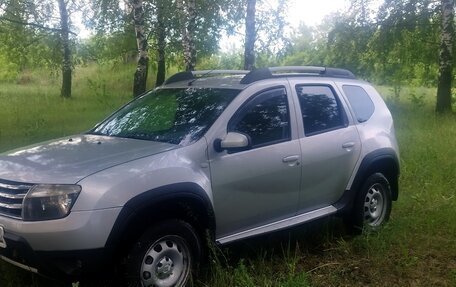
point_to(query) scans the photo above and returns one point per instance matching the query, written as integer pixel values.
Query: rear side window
(360, 102)
(321, 109)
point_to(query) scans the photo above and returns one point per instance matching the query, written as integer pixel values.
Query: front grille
(11, 197)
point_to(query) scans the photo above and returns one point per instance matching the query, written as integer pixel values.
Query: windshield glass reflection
(176, 116)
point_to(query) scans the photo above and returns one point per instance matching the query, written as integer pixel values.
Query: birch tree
(161, 44)
(250, 36)
(446, 58)
(187, 21)
(66, 52)
(140, 78)
(39, 18)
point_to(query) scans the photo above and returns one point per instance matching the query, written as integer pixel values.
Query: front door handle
(348, 145)
(291, 158)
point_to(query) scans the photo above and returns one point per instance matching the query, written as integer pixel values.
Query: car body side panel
(117, 185)
(376, 133)
(254, 187)
(328, 158)
(327, 166)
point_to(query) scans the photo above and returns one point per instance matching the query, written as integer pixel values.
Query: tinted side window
(321, 109)
(360, 102)
(265, 119)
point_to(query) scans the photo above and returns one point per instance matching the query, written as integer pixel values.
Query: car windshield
(176, 116)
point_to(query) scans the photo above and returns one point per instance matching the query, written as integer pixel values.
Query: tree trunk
(161, 45)
(187, 19)
(250, 36)
(191, 29)
(66, 63)
(140, 80)
(446, 58)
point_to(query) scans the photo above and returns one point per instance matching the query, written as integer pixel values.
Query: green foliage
(115, 39)
(106, 16)
(118, 47)
(271, 20)
(30, 36)
(396, 45)
(407, 41)
(348, 46)
(306, 48)
(8, 70)
(229, 60)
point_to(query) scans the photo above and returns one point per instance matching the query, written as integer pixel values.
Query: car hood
(70, 159)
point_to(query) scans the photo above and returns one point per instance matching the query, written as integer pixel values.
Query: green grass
(416, 248)
(33, 111)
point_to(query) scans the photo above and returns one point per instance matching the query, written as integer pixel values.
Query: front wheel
(373, 203)
(164, 255)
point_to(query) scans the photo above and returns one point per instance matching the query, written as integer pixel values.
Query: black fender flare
(151, 200)
(383, 160)
(370, 165)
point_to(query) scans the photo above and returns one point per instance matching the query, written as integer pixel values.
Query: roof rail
(299, 69)
(263, 73)
(193, 75)
(267, 73)
(220, 72)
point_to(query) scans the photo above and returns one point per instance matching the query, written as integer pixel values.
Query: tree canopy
(395, 43)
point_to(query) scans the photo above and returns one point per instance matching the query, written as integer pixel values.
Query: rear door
(329, 142)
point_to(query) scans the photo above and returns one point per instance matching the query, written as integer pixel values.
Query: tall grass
(416, 248)
(33, 110)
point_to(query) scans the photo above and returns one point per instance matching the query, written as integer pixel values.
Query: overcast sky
(311, 12)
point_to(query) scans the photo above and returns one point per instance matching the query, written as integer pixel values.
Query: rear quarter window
(360, 102)
(321, 109)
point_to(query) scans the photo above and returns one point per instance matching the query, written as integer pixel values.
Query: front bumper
(65, 265)
(80, 230)
(73, 246)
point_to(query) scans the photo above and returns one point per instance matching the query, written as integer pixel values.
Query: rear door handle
(291, 158)
(348, 145)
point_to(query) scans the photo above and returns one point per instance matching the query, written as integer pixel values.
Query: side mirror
(232, 142)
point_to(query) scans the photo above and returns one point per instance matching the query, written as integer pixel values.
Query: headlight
(49, 201)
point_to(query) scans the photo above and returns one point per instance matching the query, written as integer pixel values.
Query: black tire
(164, 256)
(372, 204)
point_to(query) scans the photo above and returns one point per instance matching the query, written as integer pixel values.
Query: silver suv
(223, 155)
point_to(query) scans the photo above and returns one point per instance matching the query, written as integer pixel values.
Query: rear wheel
(373, 203)
(164, 256)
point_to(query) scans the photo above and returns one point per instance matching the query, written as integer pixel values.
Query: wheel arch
(384, 161)
(184, 201)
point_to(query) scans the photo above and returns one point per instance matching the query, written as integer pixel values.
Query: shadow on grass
(276, 259)
(282, 258)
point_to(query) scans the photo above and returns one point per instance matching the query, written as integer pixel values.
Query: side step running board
(282, 224)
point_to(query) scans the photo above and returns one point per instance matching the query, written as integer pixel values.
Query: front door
(260, 185)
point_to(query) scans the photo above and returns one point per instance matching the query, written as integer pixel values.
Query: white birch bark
(187, 22)
(140, 79)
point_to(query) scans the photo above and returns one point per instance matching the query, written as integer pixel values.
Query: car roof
(239, 79)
